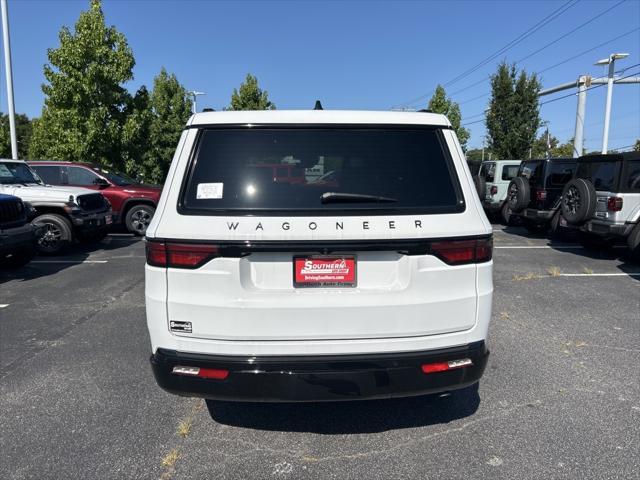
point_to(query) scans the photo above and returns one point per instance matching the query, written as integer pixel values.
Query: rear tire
(506, 214)
(56, 235)
(594, 243)
(138, 218)
(518, 194)
(578, 201)
(19, 258)
(633, 241)
(534, 227)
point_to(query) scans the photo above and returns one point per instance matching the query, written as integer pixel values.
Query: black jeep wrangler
(535, 193)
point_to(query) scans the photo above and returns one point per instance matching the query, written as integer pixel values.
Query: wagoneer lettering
(347, 247)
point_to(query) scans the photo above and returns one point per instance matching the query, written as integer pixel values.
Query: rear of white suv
(305, 256)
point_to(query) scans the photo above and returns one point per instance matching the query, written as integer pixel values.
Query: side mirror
(101, 182)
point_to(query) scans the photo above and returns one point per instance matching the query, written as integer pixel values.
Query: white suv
(318, 255)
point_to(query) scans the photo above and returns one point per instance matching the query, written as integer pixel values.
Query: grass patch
(526, 276)
(171, 458)
(504, 316)
(184, 427)
(554, 271)
(587, 270)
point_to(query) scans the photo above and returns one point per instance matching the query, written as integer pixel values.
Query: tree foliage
(23, 135)
(86, 104)
(636, 147)
(250, 96)
(539, 147)
(514, 113)
(440, 103)
(168, 110)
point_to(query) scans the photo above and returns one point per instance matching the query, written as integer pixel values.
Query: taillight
(461, 252)
(494, 190)
(179, 255)
(444, 366)
(211, 373)
(614, 204)
(541, 195)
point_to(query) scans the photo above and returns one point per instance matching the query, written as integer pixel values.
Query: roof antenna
(318, 105)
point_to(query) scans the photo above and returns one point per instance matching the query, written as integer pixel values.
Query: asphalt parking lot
(560, 397)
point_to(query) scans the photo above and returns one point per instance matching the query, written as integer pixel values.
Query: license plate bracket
(324, 271)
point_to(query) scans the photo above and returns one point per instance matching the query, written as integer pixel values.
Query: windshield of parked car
(300, 169)
(603, 175)
(15, 172)
(117, 178)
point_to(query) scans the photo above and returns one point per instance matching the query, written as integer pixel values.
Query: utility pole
(584, 83)
(578, 138)
(7, 65)
(611, 61)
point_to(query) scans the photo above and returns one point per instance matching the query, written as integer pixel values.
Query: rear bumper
(538, 215)
(92, 222)
(320, 378)
(492, 206)
(604, 229)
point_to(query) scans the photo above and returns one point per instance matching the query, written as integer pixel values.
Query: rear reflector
(211, 373)
(179, 255)
(461, 252)
(494, 190)
(614, 204)
(444, 366)
(541, 195)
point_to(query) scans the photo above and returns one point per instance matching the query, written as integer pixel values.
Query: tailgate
(253, 297)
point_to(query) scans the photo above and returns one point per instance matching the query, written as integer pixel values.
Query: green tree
(440, 103)
(250, 96)
(85, 104)
(24, 128)
(514, 113)
(169, 109)
(475, 154)
(636, 147)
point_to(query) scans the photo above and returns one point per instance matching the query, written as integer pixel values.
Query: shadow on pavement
(74, 255)
(338, 418)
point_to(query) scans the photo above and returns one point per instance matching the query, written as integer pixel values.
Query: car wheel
(506, 214)
(578, 201)
(634, 242)
(56, 233)
(535, 227)
(138, 218)
(518, 194)
(18, 259)
(594, 243)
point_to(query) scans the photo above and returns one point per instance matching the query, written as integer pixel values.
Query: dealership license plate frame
(325, 284)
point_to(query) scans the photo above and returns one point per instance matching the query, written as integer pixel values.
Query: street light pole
(194, 94)
(9, 76)
(611, 61)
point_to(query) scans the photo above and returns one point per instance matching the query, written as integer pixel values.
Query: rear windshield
(532, 171)
(488, 171)
(296, 170)
(603, 175)
(510, 171)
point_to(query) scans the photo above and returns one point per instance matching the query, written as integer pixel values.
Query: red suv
(133, 203)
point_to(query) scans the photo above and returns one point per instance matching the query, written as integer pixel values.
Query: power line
(559, 11)
(549, 18)
(561, 37)
(590, 88)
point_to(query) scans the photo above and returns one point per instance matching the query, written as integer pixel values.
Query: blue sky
(351, 55)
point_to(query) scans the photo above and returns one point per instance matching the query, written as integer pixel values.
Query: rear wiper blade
(337, 197)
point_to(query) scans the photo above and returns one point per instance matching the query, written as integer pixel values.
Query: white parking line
(74, 262)
(4, 305)
(631, 274)
(524, 247)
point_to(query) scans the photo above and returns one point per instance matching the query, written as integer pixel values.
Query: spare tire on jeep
(518, 194)
(481, 186)
(578, 201)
